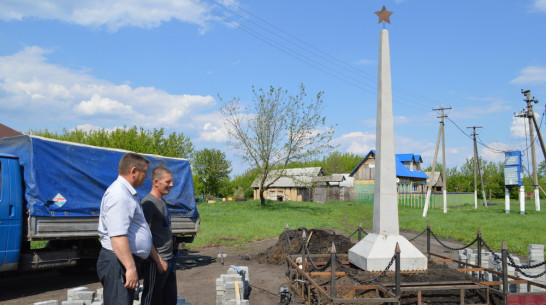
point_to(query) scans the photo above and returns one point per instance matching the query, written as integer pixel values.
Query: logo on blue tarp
(59, 200)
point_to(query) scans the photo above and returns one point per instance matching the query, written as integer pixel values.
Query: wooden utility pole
(441, 136)
(477, 170)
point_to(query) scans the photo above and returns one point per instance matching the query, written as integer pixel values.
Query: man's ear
(134, 170)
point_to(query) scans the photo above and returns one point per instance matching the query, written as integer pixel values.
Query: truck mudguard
(64, 179)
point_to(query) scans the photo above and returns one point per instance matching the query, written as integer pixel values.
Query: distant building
(437, 181)
(409, 176)
(302, 184)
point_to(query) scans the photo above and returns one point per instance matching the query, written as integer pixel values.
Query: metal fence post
(504, 252)
(333, 269)
(428, 239)
(479, 259)
(397, 266)
(359, 231)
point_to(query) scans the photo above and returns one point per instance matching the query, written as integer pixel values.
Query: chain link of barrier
(511, 262)
(315, 267)
(366, 282)
(454, 249)
(356, 231)
(418, 235)
(518, 268)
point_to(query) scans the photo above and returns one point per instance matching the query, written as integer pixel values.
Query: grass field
(232, 223)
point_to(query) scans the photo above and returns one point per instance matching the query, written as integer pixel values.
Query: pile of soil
(319, 241)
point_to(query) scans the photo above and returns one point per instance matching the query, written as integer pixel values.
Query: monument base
(374, 252)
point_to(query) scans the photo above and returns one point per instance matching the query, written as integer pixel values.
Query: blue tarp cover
(67, 179)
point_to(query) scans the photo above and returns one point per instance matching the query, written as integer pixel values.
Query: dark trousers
(112, 276)
(159, 288)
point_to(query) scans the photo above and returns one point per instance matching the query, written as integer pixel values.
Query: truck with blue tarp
(51, 191)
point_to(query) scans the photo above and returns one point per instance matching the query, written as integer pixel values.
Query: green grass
(233, 223)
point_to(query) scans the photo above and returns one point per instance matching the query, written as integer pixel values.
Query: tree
(136, 139)
(340, 163)
(211, 171)
(275, 130)
(242, 184)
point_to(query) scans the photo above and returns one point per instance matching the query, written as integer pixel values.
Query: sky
(165, 64)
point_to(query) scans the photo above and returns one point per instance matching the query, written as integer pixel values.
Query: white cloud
(49, 93)
(519, 128)
(492, 153)
(531, 75)
(540, 5)
(113, 14)
(102, 105)
(211, 127)
(356, 142)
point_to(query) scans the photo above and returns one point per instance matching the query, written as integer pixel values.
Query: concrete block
(219, 281)
(86, 296)
(97, 303)
(71, 292)
(72, 303)
(99, 295)
(50, 302)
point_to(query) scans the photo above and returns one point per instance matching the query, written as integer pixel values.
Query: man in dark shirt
(160, 269)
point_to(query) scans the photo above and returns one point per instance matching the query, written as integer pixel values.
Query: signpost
(513, 173)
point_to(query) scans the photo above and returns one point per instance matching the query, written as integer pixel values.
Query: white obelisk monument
(375, 251)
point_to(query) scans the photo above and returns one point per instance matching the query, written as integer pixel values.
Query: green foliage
(136, 139)
(211, 172)
(228, 223)
(242, 184)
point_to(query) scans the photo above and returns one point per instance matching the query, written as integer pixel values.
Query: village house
(409, 176)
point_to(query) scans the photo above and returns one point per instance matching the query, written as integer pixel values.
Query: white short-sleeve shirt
(121, 214)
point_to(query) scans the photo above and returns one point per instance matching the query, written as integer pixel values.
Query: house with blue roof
(409, 176)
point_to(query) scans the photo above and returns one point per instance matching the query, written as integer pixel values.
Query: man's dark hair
(130, 160)
(159, 172)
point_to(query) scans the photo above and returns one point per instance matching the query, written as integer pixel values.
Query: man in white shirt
(125, 235)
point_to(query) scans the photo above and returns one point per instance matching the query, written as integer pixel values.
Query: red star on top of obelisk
(384, 15)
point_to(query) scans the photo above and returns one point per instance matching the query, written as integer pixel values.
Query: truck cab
(11, 203)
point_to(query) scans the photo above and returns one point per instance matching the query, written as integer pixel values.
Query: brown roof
(5, 131)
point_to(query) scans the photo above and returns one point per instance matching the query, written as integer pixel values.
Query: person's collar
(128, 185)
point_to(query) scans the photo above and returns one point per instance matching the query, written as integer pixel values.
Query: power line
(312, 56)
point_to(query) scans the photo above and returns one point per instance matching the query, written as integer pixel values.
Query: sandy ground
(195, 283)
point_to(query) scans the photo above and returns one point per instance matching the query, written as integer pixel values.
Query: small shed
(295, 184)
(437, 181)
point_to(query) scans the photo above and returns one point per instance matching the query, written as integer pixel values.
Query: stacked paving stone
(536, 255)
(84, 296)
(225, 286)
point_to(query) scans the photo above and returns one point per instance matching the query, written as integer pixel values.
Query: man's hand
(120, 245)
(131, 278)
(161, 265)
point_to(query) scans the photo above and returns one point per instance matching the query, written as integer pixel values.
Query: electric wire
(406, 98)
(322, 61)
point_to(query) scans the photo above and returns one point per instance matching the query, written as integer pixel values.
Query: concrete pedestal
(374, 252)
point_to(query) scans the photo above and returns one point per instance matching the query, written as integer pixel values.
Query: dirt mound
(318, 241)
